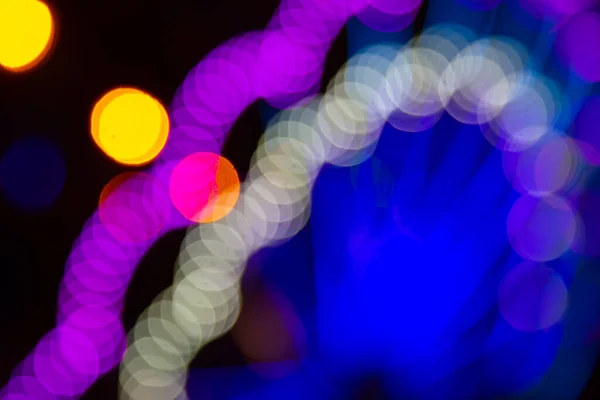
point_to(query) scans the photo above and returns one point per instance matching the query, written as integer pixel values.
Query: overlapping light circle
(340, 127)
(130, 126)
(27, 31)
(205, 108)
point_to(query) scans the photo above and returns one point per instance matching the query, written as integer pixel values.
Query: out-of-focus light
(32, 173)
(74, 349)
(133, 207)
(26, 33)
(549, 166)
(204, 187)
(541, 229)
(388, 16)
(578, 44)
(342, 129)
(293, 69)
(532, 297)
(130, 126)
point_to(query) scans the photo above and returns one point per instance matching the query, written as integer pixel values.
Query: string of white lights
(476, 83)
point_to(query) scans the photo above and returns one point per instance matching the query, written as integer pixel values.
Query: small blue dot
(32, 173)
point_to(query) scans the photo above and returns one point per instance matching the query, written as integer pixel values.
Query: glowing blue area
(416, 302)
(413, 286)
(32, 173)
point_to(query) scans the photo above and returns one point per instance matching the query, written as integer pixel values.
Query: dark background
(149, 44)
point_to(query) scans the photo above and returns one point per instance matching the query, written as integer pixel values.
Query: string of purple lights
(283, 65)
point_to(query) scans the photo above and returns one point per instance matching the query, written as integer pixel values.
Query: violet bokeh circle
(541, 228)
(133, 207)
(532, 297)
(389, 15)
(578, 44)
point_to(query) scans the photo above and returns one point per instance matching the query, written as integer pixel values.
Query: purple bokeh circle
(578, 45)
(532, 297)
(541, 228)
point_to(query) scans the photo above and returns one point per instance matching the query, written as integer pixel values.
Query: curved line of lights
(89, 339)
(477, 84)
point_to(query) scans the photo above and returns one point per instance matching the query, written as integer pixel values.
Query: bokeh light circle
(532, 297)
(541, 228)
(130, 126)
(134, 207)
(26, 33)
(204, 187)
(549, 166)
(388, 15)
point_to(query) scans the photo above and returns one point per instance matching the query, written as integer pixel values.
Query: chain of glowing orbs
(476, 84)
(282, 65)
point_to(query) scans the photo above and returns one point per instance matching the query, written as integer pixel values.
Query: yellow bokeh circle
(26, 33)
(130, 126)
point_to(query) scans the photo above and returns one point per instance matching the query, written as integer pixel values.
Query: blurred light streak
(26, 34)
